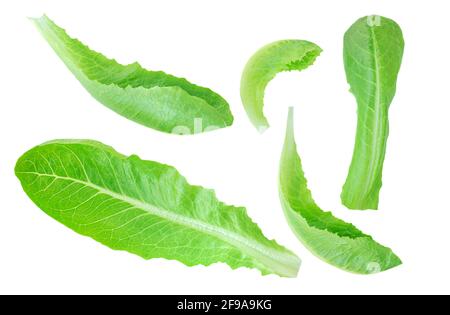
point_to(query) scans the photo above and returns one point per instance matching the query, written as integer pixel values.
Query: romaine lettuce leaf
(334, 241)
(373, 52)
(145, 208)
(285, 55)
(154, 99)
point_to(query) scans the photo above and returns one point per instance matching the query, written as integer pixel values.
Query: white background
(209, 42)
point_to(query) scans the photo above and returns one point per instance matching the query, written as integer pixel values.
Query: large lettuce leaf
(373, 51)
(332, 240)
(145, 208)
(153, 99)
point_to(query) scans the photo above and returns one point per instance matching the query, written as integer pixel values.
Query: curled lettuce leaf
(281, 56)
(154, 99)
(145, 208)
(373, 52)
(334, 241)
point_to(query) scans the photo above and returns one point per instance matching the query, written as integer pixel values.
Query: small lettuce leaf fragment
(153, 99)
(144, 208)
(373, 52)
(281, 56)
(332, 240)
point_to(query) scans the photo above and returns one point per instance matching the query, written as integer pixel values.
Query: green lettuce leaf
(332, 240)
(373, 52)
(153, 99)
(145, 208)
(286, 55)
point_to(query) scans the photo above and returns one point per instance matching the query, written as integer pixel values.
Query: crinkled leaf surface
(145, 208)
(372, 55)
(153, 99)
(286, 55)
(332, 240)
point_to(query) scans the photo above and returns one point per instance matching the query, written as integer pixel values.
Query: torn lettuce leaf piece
(281, 56)
(145, 208)
(334, 241)
(153, 99)
(373, 52)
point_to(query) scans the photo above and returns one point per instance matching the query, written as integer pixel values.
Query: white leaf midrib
(373, 160)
